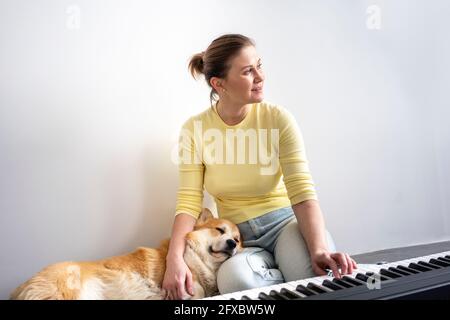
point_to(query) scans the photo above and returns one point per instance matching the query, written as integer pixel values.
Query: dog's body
(139, 275)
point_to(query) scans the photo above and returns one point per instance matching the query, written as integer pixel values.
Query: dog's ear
(205, 215)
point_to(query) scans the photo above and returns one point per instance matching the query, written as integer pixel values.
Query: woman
(264, 187)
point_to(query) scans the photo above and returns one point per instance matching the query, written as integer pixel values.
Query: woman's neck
(232, 114)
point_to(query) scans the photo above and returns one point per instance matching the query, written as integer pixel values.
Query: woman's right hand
(177, 279)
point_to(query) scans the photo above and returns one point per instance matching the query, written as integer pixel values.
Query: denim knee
(252, 268)
(292, 255)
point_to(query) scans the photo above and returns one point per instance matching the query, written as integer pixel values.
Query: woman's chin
(257, 97)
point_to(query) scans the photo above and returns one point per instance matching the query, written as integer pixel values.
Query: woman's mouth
(257, 90)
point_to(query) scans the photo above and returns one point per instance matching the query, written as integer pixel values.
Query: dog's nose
(231, 244)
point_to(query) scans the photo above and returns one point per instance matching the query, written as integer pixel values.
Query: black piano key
(444, 259)
(426, 264)
(436, 265)
(389, 274)
(278, 295)
(362, 277)
(398, 272)
(244, 297)
(303, 290)
(290, 294)
(418, 267)
(342, 283)
(353, 281)
(332, 285)
(407, 269)
(264, 296)
(316, 288)
(440, 263)
(402, 272)
(382, 278)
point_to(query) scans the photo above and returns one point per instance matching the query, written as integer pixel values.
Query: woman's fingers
(181, 293)
(349, 264)
(335, 261)
(342, 261)
(355, 265)
(319, 271)
(172, 294)
(333, 266)
(189, 285)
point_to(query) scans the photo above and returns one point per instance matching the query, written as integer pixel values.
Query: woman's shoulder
(200, 116)
(271, 108)
(275, 111)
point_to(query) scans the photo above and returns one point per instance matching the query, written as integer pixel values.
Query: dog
(139, 275)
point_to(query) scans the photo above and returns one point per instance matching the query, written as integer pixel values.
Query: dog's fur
(139, 275)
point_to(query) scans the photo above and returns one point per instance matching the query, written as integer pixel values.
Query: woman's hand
(177, 279)
(323, 259)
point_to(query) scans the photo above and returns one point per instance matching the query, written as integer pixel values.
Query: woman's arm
(311, 224)
(178, 278)
(182, 225)
(312, 227)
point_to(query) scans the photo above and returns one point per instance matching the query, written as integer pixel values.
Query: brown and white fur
(139, 275)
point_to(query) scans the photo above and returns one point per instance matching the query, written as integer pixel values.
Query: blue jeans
(274, 252)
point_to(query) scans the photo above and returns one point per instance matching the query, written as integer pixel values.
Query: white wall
(89, 117)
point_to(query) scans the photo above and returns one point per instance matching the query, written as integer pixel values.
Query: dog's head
(218, 238)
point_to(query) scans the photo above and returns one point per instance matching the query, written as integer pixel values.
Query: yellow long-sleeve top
(250, 168)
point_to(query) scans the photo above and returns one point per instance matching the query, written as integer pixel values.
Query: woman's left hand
(322, 260)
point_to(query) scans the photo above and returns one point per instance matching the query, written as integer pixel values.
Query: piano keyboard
(395, 278)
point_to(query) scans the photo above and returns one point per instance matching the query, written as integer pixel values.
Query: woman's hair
(215, 61)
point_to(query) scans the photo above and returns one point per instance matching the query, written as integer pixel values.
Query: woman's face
(244, 76)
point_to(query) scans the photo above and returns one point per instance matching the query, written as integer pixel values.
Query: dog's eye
(236, 239)
(220, 230)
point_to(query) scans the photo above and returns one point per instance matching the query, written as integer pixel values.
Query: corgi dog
(139, 274)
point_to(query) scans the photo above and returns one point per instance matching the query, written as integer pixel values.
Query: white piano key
(233, 295)
(295, 283)
(267, 290)
(228, 296)
(369, 268)
(374, 268)
(216, 297)
(252, 294)
(289, 285)
(280, 286)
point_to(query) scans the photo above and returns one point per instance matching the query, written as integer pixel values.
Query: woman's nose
(259, 75)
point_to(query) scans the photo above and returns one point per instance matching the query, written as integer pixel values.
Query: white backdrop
(93, 93)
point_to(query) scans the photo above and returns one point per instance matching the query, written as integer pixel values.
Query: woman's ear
(205, 215)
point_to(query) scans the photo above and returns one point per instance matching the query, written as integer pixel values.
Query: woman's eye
(220, 230)
(259, 66)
